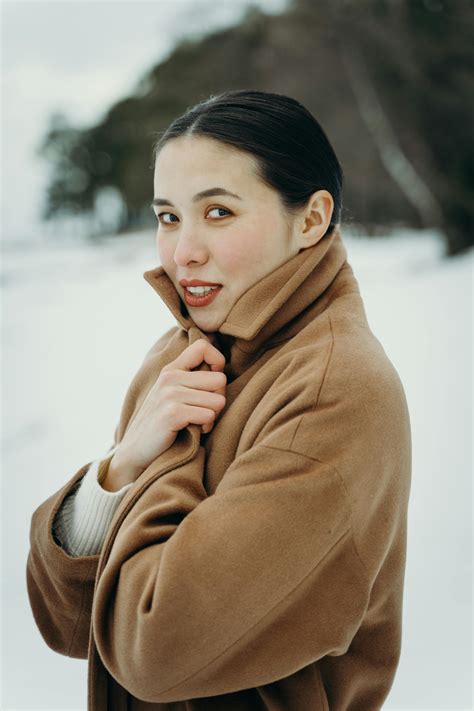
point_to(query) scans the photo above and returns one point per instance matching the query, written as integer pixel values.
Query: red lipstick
(199, 299)
(197, 282)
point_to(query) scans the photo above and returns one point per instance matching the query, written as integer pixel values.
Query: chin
(210, 326)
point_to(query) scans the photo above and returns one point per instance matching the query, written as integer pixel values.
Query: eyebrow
(199, 196)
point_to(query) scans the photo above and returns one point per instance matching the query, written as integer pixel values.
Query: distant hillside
(389, 83)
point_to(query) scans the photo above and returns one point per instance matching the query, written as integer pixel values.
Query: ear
(316, 218)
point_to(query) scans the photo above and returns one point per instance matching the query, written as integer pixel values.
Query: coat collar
(263, 313)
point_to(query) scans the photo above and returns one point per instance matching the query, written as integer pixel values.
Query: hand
(180, 396)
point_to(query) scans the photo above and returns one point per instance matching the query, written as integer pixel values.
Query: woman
(243, 543)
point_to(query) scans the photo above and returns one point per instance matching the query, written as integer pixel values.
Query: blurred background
(86, 86)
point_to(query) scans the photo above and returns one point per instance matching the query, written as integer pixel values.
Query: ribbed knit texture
(85, 516)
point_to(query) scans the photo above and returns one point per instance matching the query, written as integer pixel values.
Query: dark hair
(292, 153)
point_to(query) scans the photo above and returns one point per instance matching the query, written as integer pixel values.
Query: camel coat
(260, 566)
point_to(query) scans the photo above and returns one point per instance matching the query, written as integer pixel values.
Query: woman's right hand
(180, 396)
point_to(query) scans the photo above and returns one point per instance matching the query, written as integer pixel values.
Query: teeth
(201, 289)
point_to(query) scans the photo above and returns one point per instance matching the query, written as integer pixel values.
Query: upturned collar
(268, 306)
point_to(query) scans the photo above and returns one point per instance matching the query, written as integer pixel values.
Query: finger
(201, 350)
(211, 400)
(200, 380)
(198, 415)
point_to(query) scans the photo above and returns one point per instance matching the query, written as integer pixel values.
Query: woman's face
(233, 240)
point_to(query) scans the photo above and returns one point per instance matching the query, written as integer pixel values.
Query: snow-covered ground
(77, 320)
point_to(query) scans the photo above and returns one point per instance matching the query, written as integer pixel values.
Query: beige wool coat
(260, 566)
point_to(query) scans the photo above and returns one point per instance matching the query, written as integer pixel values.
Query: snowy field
(77, 321)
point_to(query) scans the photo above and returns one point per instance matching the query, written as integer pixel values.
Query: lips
(198, 282)
(201, 300)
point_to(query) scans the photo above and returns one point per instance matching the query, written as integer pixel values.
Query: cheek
(242, 252)
(232, 258)
(164, 250)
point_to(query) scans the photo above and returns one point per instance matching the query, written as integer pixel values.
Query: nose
(189, 249)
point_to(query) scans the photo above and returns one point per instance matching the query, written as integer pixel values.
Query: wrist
(104, 468)
(117, 474)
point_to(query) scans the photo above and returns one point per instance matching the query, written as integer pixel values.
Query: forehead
(192, 157)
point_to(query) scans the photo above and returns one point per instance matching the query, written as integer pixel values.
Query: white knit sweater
(82, 521)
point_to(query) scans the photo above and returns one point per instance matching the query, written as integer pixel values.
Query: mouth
(201, 299)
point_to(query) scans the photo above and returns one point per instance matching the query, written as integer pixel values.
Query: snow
(78, 319)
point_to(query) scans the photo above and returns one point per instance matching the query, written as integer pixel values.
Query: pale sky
(79, 57)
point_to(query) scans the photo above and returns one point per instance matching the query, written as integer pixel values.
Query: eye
(220, 208)
(164, 213)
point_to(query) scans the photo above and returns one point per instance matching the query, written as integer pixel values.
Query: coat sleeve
(60, 586)
(206, 595)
